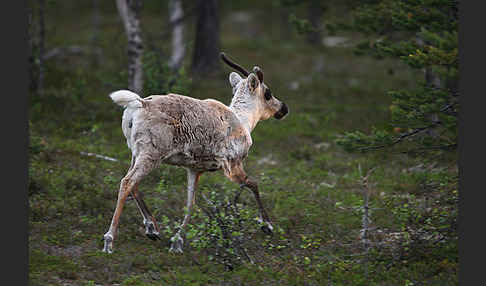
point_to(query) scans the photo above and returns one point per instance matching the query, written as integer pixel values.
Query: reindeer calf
(199, 135)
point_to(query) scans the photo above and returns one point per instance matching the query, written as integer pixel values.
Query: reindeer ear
(234, 79)
(253, 82)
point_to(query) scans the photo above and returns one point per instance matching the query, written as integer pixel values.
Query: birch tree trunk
(206, 50)
(129, 13)
(178, 47)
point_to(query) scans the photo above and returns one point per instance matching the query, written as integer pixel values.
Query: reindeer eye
(268, 94)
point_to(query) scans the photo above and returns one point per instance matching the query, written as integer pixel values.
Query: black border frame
(15, 149)
(15, 140)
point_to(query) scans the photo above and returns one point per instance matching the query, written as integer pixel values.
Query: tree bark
(432, 80)
(207, 46)
(129, 13)
(285, 28)
(315, 13)
(178, 46)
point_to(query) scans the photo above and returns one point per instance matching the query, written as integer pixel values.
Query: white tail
(126, 98)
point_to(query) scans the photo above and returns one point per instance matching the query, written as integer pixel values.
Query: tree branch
(401, 137)
(99, 156)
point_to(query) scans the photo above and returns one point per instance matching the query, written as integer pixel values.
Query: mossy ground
(309, 185)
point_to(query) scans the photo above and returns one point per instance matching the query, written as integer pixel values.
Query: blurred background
(360, 179)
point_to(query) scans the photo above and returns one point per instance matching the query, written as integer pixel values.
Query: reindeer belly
(194, 160)
(207, 150)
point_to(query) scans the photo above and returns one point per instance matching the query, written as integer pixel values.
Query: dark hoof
(266, 227)
(153, 236)
(108, 247)
(267, 230)
(176, 245)
(150, 231)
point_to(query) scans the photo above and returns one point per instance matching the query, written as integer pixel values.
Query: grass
(309, 185)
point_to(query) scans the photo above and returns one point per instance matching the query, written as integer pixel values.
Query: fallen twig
(99, 156)
(63, 51)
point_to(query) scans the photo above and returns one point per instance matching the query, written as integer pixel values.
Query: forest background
(361, 179)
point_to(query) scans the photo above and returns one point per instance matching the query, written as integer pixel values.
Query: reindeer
(198, 135)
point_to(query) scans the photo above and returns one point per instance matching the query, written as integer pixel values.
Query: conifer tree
(424, 35)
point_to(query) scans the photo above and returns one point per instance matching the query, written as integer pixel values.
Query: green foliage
(411, 113)
(303, 26)
(422, 120)
(224, 228)
(428, 220)
(35, 142)
(388, 16)
(423, 35)
(40, 262)
(136, 280)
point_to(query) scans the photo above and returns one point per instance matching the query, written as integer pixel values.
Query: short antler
(234, 65)
(258, 71)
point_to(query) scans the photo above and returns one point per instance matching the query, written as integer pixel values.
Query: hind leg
(151, 229)
(141, 167)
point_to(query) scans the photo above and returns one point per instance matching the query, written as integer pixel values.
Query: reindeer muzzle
(282, 111)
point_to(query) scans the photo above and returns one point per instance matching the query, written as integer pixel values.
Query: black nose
(282, 111)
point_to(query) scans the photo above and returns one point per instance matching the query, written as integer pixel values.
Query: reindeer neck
(246, 113)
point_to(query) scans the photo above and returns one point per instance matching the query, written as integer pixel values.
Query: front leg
(236, 174)
(267, 225)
